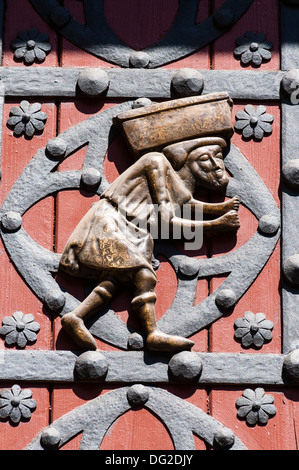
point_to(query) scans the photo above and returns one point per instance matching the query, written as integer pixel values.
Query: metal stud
(187, 82)
(91, 178)
(139, 59)
(11, 221)
(291, 269)
(93, 82)
(225, 299)
(91, 365)
(55, 300)
(50, 438)
(290, 173)
(137, 395)
(56, 147)
(185, 366)
(269, 224)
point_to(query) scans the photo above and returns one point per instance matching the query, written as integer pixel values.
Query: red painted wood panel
(140, 429)
(261, 17)
(265, 158)
(17, 153)
(280, 432)
(15, 295)
(21, 16)
(17, 437)
(265, 294)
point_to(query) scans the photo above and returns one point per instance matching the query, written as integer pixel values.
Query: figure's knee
(106, 289)
(144, 281)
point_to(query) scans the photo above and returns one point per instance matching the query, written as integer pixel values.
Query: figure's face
(207, 166)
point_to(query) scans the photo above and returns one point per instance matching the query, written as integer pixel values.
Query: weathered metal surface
(129, 83)
(134, 366)
(245, 182)
(140, 78)
(183, 38)
(185, 420)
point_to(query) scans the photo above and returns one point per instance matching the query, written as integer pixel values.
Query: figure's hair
(177, 154)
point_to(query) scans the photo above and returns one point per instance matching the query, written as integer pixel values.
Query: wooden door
(68, 67)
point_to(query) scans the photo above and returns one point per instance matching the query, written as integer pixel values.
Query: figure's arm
(159, 175)
(227, 222)
(216, 209)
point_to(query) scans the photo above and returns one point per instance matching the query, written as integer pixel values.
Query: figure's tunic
(114, 234)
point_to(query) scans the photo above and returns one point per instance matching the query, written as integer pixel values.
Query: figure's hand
(232, 205)
(230, 221)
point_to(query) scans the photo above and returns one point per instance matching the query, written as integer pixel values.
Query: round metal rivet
(135, 341)
(225, 299)
(56, 147)
(50, 438)
(290, 173)
(11, 221)
(187, 82)
(185, 366)
(224, 438)
(60, 16)
(189, 267)
(290, 81)
(55, 300)
(91, 177)
(269, 224)
(137, 395)
(291, 269)
(139, 60)
(91, 365)
(223, 18)
(291, 366)
(93, 82)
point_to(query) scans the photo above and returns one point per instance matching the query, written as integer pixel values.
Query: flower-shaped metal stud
(27, 118)
(253, 48)
(30, 46)
(253, 330)
(19, 329)
(16, 404)
(255, 406)
(254, 122)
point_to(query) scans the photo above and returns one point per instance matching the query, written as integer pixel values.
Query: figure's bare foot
(159, 341)
(78, 331)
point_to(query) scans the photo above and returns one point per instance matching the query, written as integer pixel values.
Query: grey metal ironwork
(95, 418)
(182, 39)
(40, 179)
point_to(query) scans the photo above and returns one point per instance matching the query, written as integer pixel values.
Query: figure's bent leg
(144, 305)
(73, 322)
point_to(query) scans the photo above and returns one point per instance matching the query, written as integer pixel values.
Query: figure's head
(204, 159)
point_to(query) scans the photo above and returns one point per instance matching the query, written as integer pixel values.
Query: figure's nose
(214, 162)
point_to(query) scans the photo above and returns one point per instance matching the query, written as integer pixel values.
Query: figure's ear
(176, 154)
(226, 149)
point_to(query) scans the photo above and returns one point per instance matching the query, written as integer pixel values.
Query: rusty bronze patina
(177, 147)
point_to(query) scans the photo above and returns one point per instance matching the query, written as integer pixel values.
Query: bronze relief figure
(177, 146)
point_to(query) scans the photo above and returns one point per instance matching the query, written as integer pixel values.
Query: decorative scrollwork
(39, 180)
(181, 419)
(97, 37)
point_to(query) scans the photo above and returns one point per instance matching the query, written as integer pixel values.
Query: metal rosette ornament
(38, 265)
